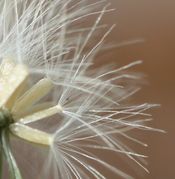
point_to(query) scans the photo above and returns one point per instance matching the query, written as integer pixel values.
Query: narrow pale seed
(30, 134)
(38, 91)
(41, 114)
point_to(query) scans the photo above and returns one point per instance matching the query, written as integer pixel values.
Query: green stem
(1, 160)
(13, 168)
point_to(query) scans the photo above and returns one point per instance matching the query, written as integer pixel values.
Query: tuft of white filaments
(56, 110)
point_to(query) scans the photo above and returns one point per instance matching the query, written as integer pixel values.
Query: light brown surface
(153, 21)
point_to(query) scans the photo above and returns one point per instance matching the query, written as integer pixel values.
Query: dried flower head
(55, 110)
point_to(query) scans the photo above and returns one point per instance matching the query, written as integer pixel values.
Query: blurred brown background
(153, 21)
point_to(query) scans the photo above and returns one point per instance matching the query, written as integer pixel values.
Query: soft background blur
(153, 21)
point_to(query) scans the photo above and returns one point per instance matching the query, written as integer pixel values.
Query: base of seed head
(17, 106)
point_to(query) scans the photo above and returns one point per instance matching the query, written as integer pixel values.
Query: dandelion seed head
(62, 108)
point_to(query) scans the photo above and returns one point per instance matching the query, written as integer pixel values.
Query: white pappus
(56, 110)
